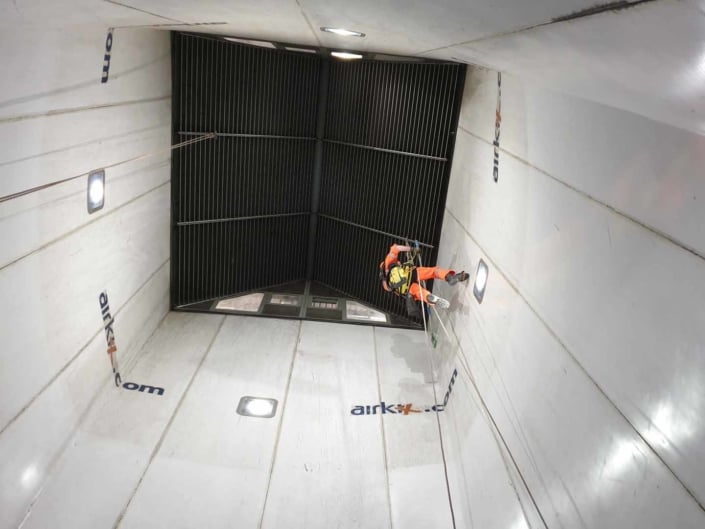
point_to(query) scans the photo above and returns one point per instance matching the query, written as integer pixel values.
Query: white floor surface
(185, 458)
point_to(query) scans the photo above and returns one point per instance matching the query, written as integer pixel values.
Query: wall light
(345, 55)
(480, 281)
(342, 32)
(96, 190)
(257, 407)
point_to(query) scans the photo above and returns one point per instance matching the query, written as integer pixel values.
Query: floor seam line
(281, 422)
(381, 421)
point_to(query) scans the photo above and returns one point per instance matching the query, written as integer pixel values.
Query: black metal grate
(227, 87)
(389, 137)
(241, 202)
(399, 106)
(243, 177)
(317, 167)
(223, 258)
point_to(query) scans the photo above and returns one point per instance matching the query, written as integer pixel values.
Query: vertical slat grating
(403, 107)
(240, 214)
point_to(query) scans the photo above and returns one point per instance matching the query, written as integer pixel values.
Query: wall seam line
(80, 351)
(73, 110)
(82, 226)
(84, 144)
(613, 209)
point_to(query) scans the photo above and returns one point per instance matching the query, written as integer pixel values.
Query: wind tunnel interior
(571, 396)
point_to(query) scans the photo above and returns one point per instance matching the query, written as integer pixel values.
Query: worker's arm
(393, 255)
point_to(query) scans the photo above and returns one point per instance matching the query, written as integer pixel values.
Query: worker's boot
(452, 279)
(436, 300)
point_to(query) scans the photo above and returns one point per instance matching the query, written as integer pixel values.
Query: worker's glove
(436, 300)
(452, 279)
(415, 249)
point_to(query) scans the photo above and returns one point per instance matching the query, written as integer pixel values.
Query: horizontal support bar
(392, 151)
(235, 135)
(336, 219)
(236, 219)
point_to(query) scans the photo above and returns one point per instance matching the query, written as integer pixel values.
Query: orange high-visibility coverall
(423, 273)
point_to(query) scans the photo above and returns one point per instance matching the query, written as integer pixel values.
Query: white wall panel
(51, 307)
(647, 170)
(486, 488)
(30, 445)
(422, 26)
(586, 346)
(629, 59)
(97, 473)
(46, 13)
(58, 70)
(214, 465)
(279, 20)
(47, 222)
(52, 148)
(58, 120)
(583, 462)
(329, 469)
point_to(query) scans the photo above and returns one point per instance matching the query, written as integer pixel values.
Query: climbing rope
(206, 136)
(435, 395)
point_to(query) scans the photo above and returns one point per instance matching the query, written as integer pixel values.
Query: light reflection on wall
(665, 429)
(626, 452)
(30, 477)
(520, 523)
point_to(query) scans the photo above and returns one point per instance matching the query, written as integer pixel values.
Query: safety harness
(400, 275)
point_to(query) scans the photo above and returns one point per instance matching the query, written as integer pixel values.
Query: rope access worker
(403, 278)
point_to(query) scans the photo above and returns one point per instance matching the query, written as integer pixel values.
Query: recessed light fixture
(260, 43)
(342, 32)
(247, 303)
(358, 311)
(96, 190)
(301, 50)
(346, 55)
(257, 407)
(480, 281)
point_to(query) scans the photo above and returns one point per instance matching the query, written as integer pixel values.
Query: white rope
(422, 283)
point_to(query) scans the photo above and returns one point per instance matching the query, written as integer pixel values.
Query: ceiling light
(345, 55)
(96, 190)
(343, 32)
(480, 281)
(257, 407)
